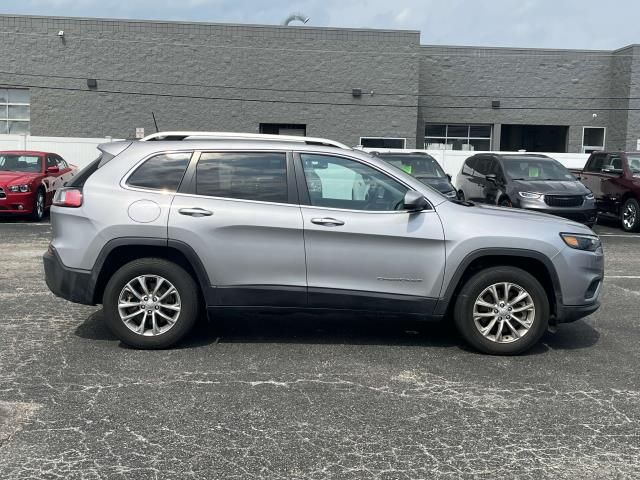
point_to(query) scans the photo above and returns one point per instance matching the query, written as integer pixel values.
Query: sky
(587, 24)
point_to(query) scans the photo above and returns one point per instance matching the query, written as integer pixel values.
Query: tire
(38, 207)
(461, 196)
(630, 215)
(166, 333)
(505, 202)
(507, 344)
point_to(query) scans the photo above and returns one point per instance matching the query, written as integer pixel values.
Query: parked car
(423, 167)
(28, 181)
(156, 230)
(614, 178)
(529, 181)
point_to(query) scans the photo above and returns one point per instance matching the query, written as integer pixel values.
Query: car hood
(441, 184)
(558, 187)
(17, 177)
(521, 214)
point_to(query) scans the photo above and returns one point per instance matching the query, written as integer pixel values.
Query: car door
(592, 178)
(363, 250)
(493, 189)
(238, 211)
(613, 183)
(52, 177)
(463, 180)
(66, 173)
(479, 182)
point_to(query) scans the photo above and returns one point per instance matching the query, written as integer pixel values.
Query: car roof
(24, 152)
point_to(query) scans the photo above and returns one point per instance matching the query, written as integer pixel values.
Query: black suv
(423, 167)
(530, 181)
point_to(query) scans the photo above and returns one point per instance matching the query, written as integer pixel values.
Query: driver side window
(336, 182)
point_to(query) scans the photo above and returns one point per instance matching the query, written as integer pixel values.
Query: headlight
(19, 188)
(530, 195)
(589, 196)
(581, 241)
(451, 194)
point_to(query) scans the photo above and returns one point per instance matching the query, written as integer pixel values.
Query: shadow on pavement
(338, 328)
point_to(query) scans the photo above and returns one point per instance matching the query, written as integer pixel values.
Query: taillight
(68, 197)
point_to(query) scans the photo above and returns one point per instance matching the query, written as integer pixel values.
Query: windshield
(416, 165)
(20, 163)
(535, 169)
(634, 163)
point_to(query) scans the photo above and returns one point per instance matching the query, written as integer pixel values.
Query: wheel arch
(531, 261)
(118, 252)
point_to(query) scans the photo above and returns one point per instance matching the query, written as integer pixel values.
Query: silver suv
(160, 229)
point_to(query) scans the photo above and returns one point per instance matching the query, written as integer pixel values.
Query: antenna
(154, 122)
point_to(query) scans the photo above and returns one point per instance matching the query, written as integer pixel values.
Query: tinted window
(20, 163)
(529, 169)
(62, 165)
(162, 172)
(595, 164)
(469, 165)
(483, 166)
(243, 175)
(336, 182)
(51, 161)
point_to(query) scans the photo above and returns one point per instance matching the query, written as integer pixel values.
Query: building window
(382, 142)
(457, 137)
(296, 129)
(593, 139)
(14, 111)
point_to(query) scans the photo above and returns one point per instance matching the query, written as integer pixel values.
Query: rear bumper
(68, 283)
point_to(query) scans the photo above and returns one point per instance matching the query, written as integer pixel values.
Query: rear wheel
(631, 215)
(38, 206)
(502, 311)
(150, 303)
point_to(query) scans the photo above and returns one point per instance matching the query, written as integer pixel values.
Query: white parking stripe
(618, 235)
(26, 224)
(622, 276)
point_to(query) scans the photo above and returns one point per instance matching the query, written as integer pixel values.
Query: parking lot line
(623, 276)
(618, 235)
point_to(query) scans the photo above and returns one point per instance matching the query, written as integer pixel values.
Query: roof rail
(179, 136)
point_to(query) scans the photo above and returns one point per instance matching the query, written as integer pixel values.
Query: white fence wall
(452, 160)
(77, 151)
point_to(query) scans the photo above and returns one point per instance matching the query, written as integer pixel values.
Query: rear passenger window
(243, 175)
(596, 163)
(162, 172)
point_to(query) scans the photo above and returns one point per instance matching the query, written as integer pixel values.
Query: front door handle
(195, 212)
(327, 222)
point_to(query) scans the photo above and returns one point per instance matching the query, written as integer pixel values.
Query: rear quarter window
(161, 172)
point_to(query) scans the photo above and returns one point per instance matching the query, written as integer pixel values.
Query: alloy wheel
(149, 305)
(629, 216)
(40, 205)
(504, 312)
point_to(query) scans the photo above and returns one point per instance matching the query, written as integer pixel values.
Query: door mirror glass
(53, 170)
(415, 201)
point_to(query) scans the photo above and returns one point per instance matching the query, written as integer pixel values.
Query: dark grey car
(423, 167)
(529, 181)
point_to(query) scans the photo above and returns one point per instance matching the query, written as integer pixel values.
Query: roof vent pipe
(295, 16)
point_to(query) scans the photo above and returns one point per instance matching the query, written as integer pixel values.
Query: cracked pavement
(309, 396)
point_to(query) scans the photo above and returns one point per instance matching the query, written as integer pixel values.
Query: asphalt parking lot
(304, 396)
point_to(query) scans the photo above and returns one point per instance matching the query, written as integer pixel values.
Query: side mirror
(449, 177)
(612, 171)
(415, 201)
(53, 170)
(492, 178)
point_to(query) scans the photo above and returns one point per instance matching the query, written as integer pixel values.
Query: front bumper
(16, 203)
(68, 283)
(585, 216)
(571, 313)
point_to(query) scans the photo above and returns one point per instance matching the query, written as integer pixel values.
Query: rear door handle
(327, 222)
(195, 212)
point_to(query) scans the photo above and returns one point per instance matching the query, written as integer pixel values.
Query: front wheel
(631, 215)
(502, 311)
(150, 303)
(38, 207)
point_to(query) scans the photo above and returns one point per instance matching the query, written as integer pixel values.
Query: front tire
(38, 206)
(502, 311)
(151, 303)
(630, 217)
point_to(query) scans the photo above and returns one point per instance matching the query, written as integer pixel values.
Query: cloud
(528, 23)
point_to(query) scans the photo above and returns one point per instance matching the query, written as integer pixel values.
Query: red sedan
(28, 181)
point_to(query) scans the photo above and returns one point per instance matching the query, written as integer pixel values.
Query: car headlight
(589, 196)
(19, 188)
(451, 194)
(581, 241)
(530, 195)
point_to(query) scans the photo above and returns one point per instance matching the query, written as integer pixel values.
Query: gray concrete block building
(83, 77)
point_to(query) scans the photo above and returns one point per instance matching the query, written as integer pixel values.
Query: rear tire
(630, 216)
(476, 309)
(162, 320)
